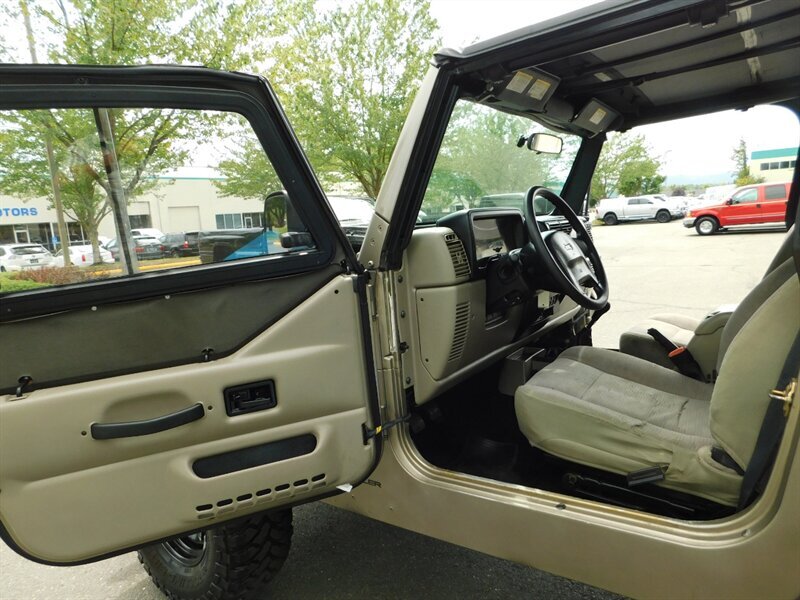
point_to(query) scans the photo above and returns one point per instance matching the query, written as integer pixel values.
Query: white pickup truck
(638, 208)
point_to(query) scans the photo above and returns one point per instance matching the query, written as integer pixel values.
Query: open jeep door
(143, 399)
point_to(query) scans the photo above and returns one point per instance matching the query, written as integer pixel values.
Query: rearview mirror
(544, 143)
(729, 201)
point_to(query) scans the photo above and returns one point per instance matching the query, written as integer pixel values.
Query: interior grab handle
(110, 431)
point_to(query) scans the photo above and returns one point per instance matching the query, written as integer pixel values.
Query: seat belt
(769, 437)
(679, 355)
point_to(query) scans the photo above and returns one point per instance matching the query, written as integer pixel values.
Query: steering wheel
(575, 272)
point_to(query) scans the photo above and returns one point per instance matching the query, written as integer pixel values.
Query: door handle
(110, 431)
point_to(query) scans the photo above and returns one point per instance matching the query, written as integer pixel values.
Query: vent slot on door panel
(459, 331)
(248, 499)
(457, 255)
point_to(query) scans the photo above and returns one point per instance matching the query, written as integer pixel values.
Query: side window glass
(135, 190)
(633, 201)
(748, 195)
(774, 192)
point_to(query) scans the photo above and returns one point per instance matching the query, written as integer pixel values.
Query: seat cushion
(620, 413)
(677, 328)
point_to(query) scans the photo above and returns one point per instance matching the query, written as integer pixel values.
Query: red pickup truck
(749, 205)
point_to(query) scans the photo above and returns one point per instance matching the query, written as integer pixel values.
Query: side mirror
(729, 201)
(275, 209)
(544, 143)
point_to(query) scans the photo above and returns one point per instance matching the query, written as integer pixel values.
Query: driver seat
(621, 414)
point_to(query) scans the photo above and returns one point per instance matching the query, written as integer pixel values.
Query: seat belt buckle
(677, 352)
(648, 475)
(785, 395)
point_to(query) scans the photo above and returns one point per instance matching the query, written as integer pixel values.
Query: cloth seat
(680, 329)
(620, 413)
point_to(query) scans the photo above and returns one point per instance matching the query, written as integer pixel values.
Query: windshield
(480, 164)
(351, 209)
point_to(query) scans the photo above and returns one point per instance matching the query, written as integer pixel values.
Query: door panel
(67, 497)
(163, 395)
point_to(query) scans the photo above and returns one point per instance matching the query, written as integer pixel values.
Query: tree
(100, 32)
(627, 167)
(742, 175)
(479, 156)
(249, 174)
(347, 77)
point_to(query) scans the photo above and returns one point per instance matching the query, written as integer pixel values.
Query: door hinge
(372, 433)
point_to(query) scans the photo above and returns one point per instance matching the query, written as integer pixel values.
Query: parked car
(763, 203)
(146, 247)
(217, 245)
(148, 231)
(354, 215)
(638, 208)
(180, 244)
(82, 256)
(16, 257)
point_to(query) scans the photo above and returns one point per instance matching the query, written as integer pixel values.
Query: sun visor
(596, 117)
(528, 89)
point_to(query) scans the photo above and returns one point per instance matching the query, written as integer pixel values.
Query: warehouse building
(774, 165)
(186, 200)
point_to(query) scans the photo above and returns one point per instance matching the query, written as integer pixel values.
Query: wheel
(706, 225)
(175, 253)
(2, 269)
(236, 560)
(663, 216)
(610, 219)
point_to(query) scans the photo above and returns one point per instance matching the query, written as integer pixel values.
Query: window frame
(277, 142)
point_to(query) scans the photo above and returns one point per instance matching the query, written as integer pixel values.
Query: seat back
(784, 252)
(752, 302)
(752, 361)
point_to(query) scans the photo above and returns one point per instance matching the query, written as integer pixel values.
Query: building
(774, 165)
(187, 200)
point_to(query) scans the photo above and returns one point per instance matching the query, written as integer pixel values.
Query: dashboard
(464, 301)
(487, 233)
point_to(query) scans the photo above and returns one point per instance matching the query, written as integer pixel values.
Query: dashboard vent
(457, 255)
(460, 331)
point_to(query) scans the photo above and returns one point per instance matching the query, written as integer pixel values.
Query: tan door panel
(67, 497)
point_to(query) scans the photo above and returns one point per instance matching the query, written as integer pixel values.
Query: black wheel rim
(188, 550)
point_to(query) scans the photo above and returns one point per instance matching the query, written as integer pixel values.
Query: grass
(9, 284)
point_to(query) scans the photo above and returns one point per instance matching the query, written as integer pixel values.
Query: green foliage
(626, 167)
(208, 32)
(742, 175)
(346, 77)
(479, 156)
(9, 284)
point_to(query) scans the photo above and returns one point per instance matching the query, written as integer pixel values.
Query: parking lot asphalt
(337, 555)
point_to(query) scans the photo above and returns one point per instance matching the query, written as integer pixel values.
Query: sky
(690, 149)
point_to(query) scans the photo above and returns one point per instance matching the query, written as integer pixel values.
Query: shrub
(54, 275)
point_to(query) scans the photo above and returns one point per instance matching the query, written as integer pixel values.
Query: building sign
(17, 211)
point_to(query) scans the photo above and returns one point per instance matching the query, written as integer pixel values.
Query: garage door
(183, 218)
